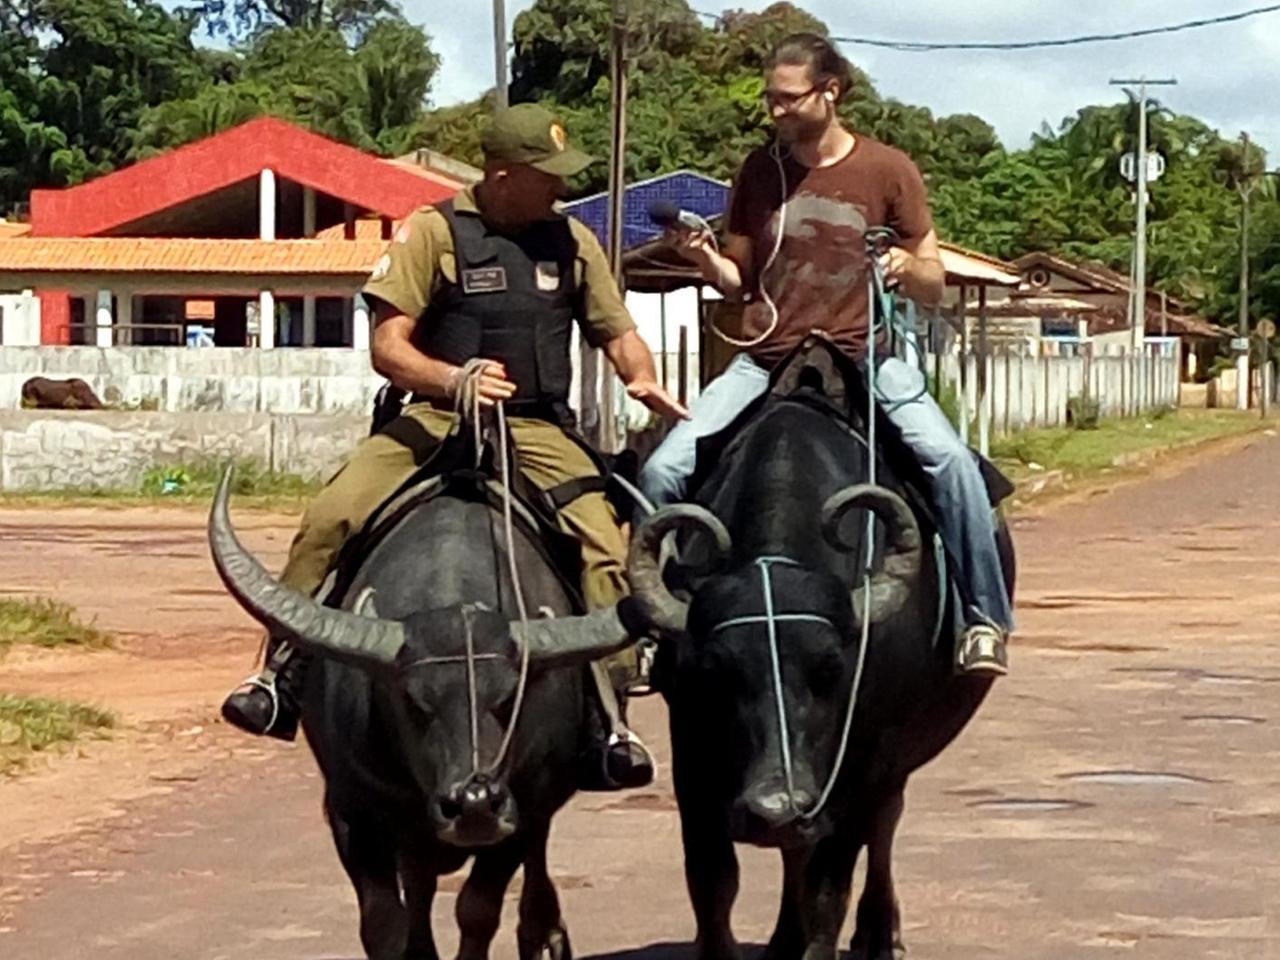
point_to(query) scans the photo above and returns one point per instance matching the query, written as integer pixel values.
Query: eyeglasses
(787, 101)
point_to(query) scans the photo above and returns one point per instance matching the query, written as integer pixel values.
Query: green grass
(32, 724)
(185, 483)
(42, 622)
(1082, 452)
(199, 480)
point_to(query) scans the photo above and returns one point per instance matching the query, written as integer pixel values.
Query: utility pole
(500, 54)
(1245, 185)
(1139, 281)
(594, 371)
(618, 144)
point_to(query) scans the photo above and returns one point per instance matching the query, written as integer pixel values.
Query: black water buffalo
(41, 393)
(408, 707)
(760, 660)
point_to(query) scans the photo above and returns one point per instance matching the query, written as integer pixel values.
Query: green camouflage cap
(529, 133)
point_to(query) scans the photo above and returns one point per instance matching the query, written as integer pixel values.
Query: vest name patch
(484, 280)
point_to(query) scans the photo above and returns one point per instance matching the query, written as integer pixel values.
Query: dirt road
(1118, 796)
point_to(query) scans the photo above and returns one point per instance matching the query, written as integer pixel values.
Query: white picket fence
(1032, 391)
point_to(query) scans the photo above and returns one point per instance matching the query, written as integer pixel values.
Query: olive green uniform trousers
(384, 461)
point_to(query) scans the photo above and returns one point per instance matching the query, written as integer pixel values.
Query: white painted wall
(20, 323)
(681, 310)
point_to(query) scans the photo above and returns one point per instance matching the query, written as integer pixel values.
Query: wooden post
(704, 355)
(963, 325)
(983, 353)
(934, 343)
(1124, 385)
(1023, 420)
(1048, 394)
(1008, 392)
(988, 415)
(682, 369)
(662, 336)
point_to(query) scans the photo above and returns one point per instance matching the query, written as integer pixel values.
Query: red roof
(238, 154)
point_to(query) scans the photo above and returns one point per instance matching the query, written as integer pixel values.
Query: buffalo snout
(768, 815)
(477, 812)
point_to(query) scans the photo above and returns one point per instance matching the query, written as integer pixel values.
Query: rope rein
(771, 618)
(464, 385)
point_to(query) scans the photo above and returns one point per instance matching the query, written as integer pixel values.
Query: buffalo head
(451, 733)
(740, 705)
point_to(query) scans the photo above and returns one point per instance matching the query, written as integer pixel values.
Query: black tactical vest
(514, 301)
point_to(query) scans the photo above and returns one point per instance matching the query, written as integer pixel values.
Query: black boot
(614, 758)
(269, 704)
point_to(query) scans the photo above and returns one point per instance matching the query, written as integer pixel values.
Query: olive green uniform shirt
(420, 258)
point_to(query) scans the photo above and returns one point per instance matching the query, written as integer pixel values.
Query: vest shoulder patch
(546, 275)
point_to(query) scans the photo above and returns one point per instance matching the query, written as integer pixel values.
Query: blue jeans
(959, 493)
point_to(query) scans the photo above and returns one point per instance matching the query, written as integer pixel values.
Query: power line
(909, 46)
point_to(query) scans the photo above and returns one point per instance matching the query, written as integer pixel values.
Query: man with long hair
(795, 251)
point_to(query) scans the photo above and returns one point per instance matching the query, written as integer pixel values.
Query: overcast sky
(1228, 75)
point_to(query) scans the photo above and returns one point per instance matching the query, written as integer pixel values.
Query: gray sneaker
(983, 652)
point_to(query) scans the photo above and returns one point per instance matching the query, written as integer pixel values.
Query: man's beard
(802, 131)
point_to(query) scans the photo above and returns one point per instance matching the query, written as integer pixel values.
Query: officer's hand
(657, 399)
(492, 384)
(695, 246)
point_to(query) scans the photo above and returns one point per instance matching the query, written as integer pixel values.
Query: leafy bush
(1083, 413)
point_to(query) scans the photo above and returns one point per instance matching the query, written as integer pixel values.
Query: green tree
(242, 19)
(396, 66)
(370, 95)
(561, 47)
(76, 77)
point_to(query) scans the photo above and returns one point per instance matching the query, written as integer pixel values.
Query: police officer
(493, 274)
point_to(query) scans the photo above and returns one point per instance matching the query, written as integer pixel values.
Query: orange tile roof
(188, 256)
(365, 230)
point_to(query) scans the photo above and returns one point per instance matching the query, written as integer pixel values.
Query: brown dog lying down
(45, 394)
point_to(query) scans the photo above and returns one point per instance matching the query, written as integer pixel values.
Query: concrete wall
(681, 310)
(212, 379)
(44, 450)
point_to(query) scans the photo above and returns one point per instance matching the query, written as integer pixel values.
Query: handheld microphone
(666, 213)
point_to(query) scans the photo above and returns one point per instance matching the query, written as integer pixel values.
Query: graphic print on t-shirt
(822, 252)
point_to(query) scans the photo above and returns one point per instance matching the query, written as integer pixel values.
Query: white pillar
(308, 212)
(360, 324)
(124, 315)
(308, 303)
(102, 317)
(266, 319)
(1242, 381)
(267, 205)
(308, 321)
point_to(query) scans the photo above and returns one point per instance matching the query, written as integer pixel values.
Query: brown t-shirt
(819, 279)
